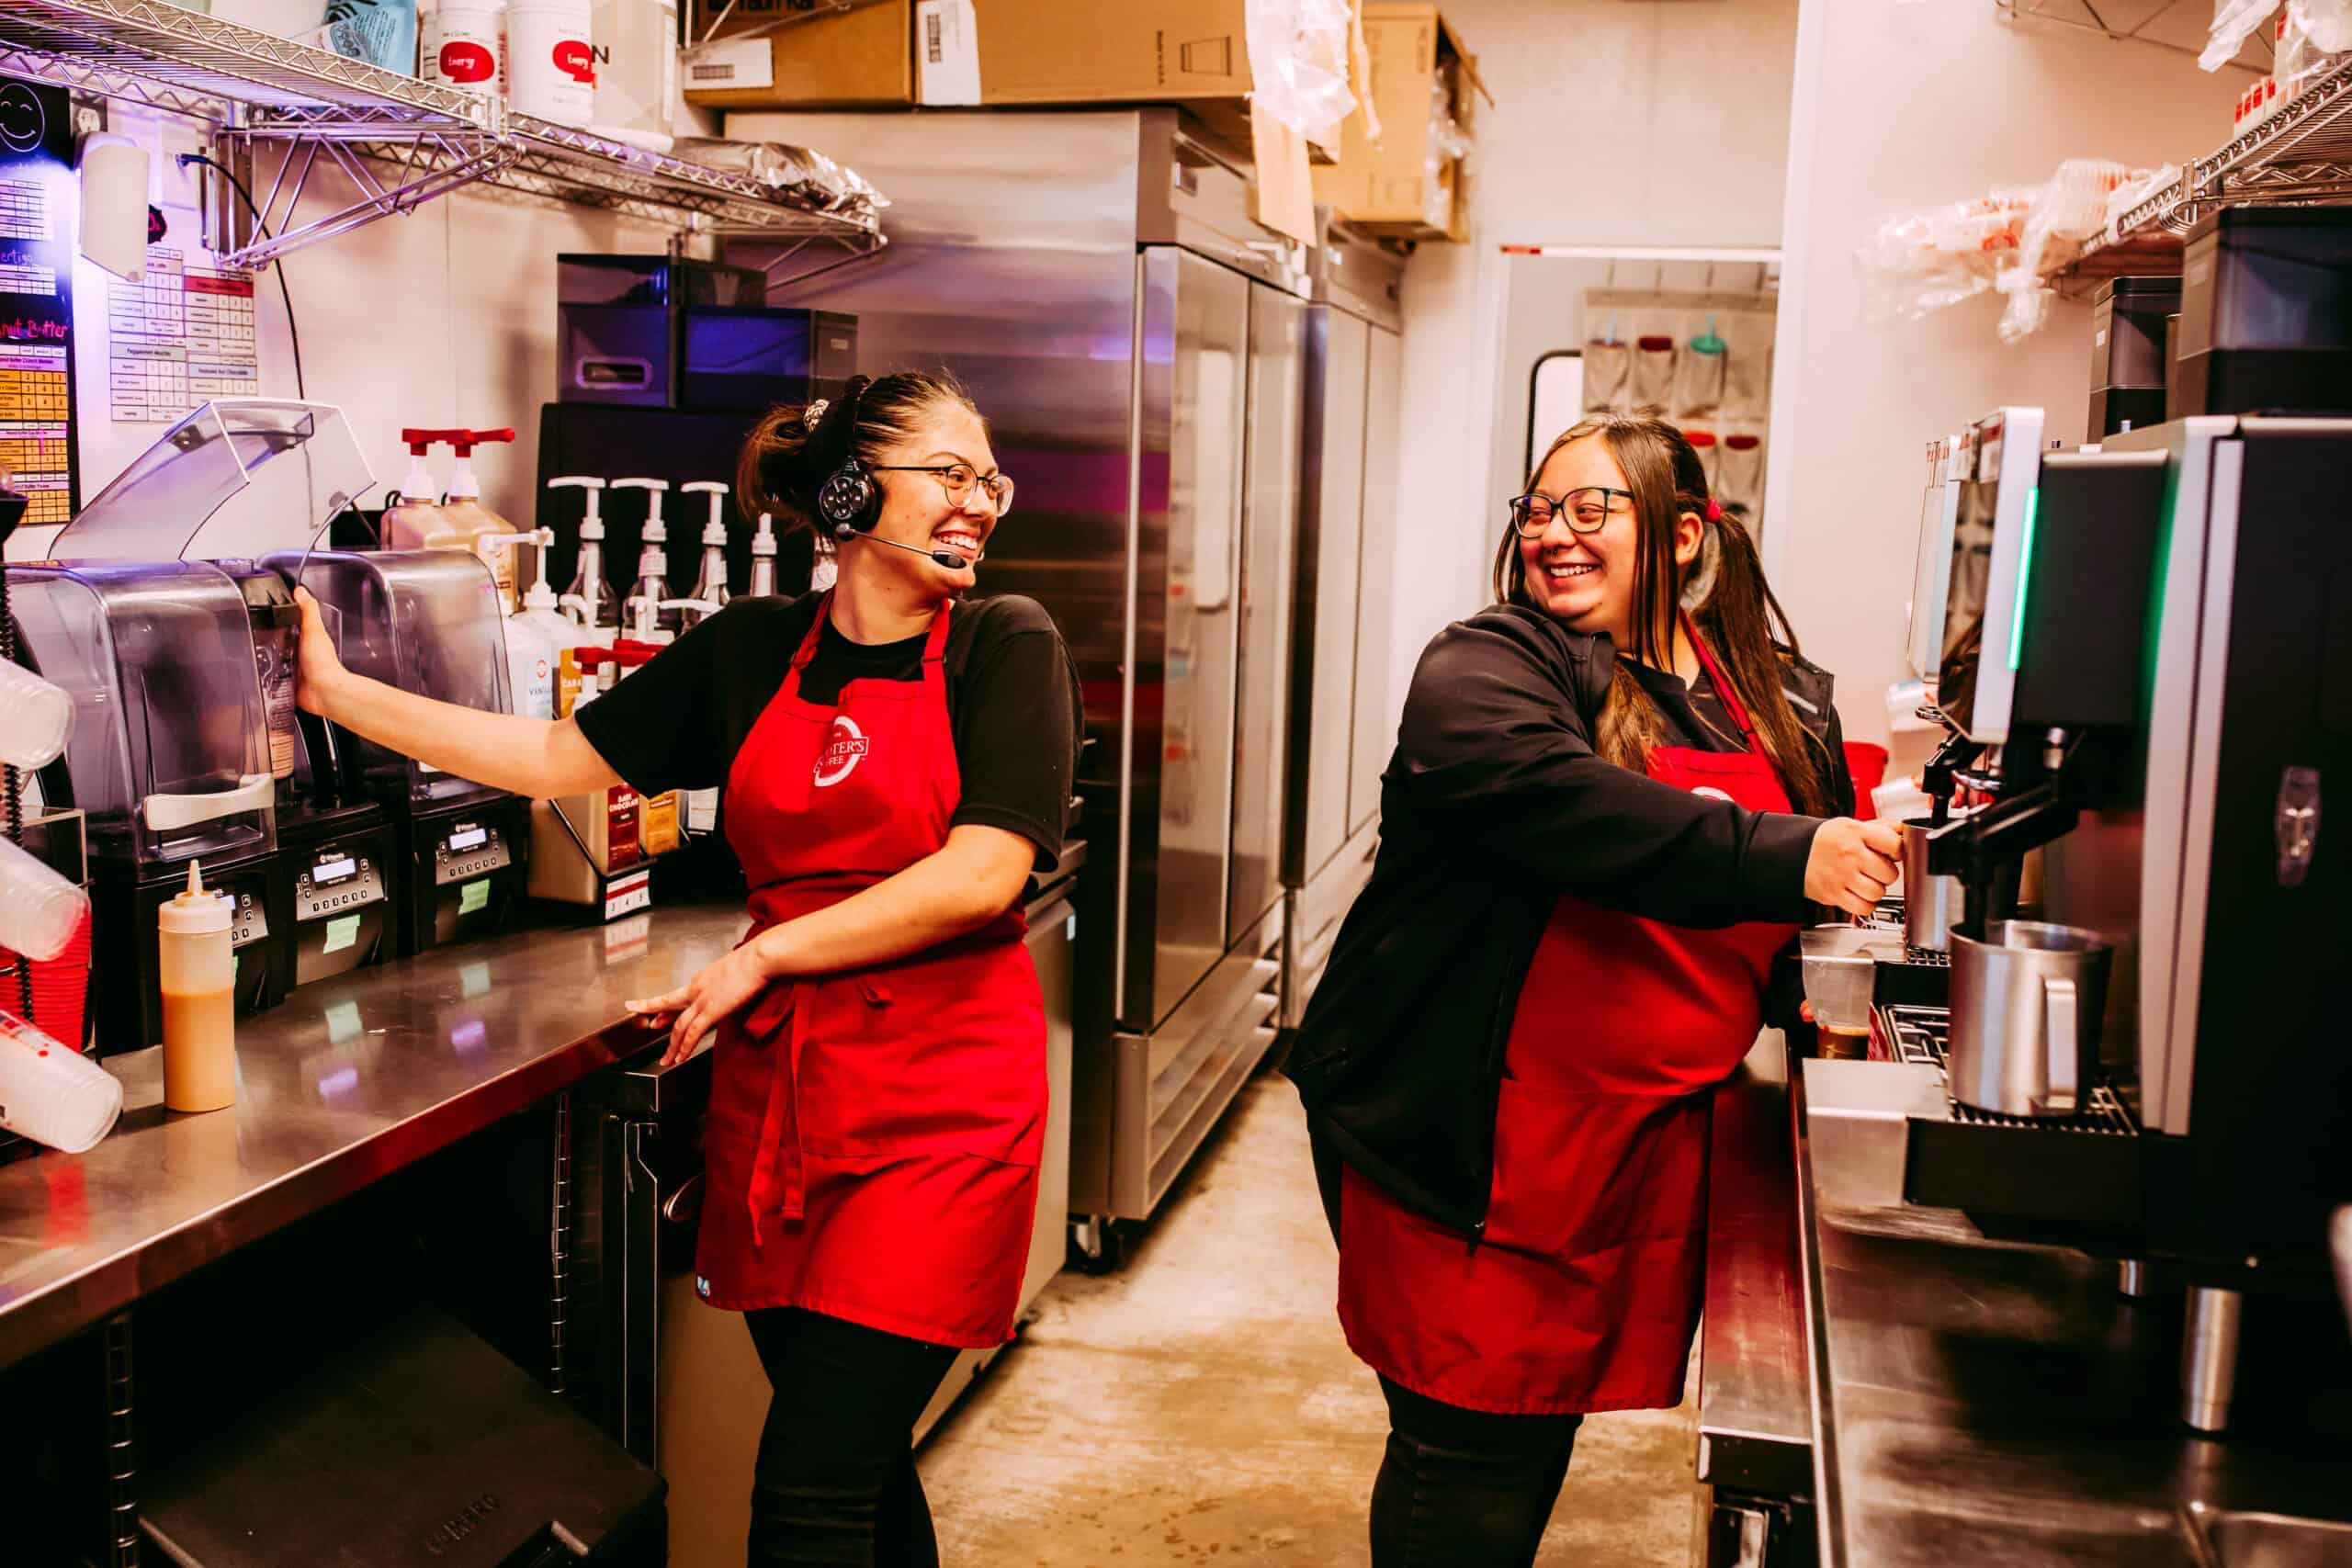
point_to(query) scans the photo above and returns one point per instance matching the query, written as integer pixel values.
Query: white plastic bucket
(550, 63)
(464, 44)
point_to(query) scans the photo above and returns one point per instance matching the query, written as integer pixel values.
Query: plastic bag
(2325, 25)
(823, 185)
(2067, 213)
(2135, 191)
(1299, 60)
(2234, 21)
(1922, 262)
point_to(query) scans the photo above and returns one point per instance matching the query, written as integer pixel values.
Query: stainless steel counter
(1981, 1402)
(345, 1083)
(1755, 1415)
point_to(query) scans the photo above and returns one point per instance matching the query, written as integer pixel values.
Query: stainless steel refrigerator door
(1194, 364)
(1269, 552)
(1324, 629)
(1375, 708)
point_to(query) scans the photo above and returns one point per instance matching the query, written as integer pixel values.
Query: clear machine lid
(240, 477)
(169, 751)
(426, 621)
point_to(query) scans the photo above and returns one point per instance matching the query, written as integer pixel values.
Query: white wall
(1904, 106)
(1614, 124)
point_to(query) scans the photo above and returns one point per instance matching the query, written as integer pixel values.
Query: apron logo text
(844, 749)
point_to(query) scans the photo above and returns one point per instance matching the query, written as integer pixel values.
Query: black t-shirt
(1013, 704)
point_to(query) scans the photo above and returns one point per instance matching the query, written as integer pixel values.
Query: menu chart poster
(181, 336)
(36, 298)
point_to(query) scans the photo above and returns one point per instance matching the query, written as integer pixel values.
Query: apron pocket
(956, 1064)
(1577, 1174)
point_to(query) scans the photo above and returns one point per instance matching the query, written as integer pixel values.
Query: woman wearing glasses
(896, 760)
(1612, 800)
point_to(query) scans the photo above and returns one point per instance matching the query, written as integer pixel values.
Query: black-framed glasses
(957, 479)
(1584, 510)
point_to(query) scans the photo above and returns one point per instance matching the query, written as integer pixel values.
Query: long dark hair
(785, 462)
(1740, 620)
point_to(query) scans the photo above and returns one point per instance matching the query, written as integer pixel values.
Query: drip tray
(2084, 1171)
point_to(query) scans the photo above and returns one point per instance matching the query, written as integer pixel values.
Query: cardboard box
(1387, 187)
(857, 59)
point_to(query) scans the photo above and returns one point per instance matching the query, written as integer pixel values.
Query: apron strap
(1723, 691)
(934, 652)
(808, 649)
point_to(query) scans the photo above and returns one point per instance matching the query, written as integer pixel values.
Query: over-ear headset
(849, 499)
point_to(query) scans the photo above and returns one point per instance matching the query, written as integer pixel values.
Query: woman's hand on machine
(1853, 864)
(698, 1007)
(317, 668)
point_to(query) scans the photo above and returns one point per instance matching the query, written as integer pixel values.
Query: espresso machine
(2148, 654)
(169, 758)
(426, 621)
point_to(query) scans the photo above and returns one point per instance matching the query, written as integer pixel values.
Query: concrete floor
(1200, 1406)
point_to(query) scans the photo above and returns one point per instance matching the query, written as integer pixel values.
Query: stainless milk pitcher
(2027, 1004)
(1931, 904)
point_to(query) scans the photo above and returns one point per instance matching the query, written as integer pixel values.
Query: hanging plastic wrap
(1298, 62)
(2135, 191)
(809, 178)
(2070, 212)
(2011, 238)
(1923, 261)
(2325, 26)
(1447, 142)
(2234, 21)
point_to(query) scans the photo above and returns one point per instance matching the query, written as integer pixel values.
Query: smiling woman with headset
(896, 758)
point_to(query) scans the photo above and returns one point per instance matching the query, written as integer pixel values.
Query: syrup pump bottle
(649, 611)
(764, 558)
(588, 600)
(710, 593)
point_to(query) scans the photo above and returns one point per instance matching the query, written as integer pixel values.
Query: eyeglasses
(957, 479)
(1583, 510)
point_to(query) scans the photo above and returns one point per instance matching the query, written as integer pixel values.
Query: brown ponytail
(784, 460)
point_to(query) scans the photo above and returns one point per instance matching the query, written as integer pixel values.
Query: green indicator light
(2025, 578)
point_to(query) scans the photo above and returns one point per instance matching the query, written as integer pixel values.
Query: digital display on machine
(329, 872)
(468, 838)
(1964, 594)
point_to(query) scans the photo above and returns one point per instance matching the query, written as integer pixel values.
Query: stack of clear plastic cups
(34, 717)
(39, 910)
(52, 1093)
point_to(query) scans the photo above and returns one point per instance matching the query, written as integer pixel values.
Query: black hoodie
(1494, 805)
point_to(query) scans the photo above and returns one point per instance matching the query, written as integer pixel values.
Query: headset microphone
(947, 558)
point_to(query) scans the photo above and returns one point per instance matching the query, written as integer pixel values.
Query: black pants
(1457, 1488)
(835, 1481)
(1464, 1488)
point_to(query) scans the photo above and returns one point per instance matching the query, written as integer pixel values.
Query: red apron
(874, 1137)
(1584, 1292)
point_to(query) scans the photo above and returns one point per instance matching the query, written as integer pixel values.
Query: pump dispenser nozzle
(764, 558)
(714, 532)
(656, 530)
(540, 596)
(589, 599)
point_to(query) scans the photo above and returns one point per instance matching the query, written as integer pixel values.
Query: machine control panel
(248, 921)
(468, 849)
(340, 879)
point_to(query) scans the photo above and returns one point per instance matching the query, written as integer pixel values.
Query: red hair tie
(1714, 510)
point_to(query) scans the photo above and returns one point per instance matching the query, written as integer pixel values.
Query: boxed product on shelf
(1410, 181)
(994, 52)
(861, 57)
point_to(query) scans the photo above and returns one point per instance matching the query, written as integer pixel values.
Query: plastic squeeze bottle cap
(656, 532)
(463, 483)
(592, 526)
(196, 910)
(540, 596)
(713, 532)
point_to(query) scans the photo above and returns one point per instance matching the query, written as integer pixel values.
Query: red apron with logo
(1584, 1291)
(874, 1137)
